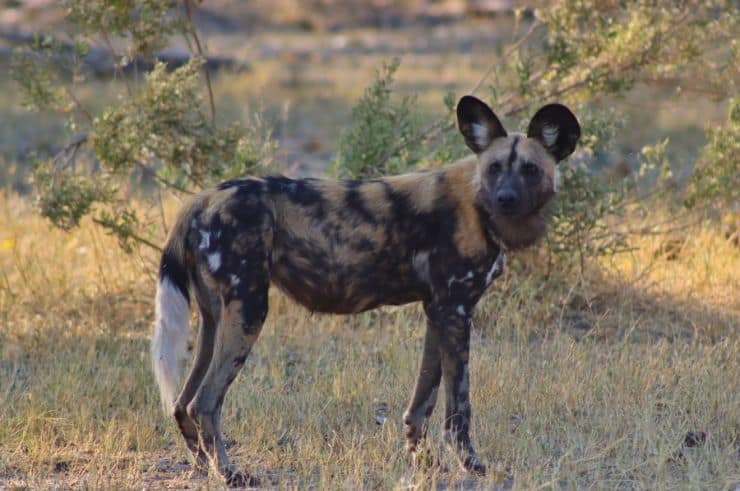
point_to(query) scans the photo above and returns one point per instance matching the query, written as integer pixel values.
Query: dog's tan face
(516, 173)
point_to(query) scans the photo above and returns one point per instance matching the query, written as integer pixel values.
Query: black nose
(506, 198)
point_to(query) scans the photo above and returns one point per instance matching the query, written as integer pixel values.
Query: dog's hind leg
(425, 393)
(243, 313)
(208, 307)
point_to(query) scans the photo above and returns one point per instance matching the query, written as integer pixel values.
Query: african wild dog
(436, 236)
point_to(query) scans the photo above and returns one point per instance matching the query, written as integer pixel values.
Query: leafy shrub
(65, 196)
(378, 142)
(159, 128)
(716, 178)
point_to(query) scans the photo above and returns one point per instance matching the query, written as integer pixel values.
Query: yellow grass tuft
(596, 382)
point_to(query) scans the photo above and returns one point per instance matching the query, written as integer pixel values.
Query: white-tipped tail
(169, 343)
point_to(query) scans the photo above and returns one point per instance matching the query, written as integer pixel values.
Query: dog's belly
(347, 289)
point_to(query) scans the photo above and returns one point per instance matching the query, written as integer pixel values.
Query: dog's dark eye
(495, 168)
(530, 169)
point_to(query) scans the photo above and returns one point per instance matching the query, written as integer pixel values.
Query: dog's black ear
(478, 124)
(557, 128)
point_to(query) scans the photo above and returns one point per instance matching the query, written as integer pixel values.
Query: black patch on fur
(249, 209)
(364, 245)
(413, 229)
(172, 269)
(485, 220)
(246, 186)
(298, 191)
(233, 183)
(354, 202)
(513, 154)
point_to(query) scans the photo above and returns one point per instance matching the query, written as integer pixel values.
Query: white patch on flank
(550, 134)
(460, 310)
(557, 180)
(455, 279)
(169, 343)
(480, 134)
(214, 261)
(205, 240)
(234, 280)
(496, 269)
(420, 262)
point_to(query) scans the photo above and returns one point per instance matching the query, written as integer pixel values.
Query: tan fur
(373, 196)
(470, 237)
(420, 187)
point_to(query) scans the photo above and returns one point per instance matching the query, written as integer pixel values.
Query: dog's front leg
(425, 394)
(455, 349)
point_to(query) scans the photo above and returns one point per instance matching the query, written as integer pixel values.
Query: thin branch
(133, 235)
(646, 229)
(683, 84)
(194, 33)
(161, 211)
(415, 139)
(532, 28)
(162, 180)
(78, 104)
(642, 59)
(114, 57)
(195, 180)
(69, 152)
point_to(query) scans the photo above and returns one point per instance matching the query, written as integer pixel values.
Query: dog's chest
(461, 280)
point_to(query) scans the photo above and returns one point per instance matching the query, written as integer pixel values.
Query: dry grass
(576, 384)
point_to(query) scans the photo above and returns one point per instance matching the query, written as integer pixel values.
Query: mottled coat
(343, 247)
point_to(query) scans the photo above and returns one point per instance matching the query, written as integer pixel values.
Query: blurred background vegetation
(109, 100)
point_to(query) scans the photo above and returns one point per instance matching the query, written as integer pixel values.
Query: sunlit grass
(576, 383)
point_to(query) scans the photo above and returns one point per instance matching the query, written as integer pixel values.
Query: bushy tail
(169, 343)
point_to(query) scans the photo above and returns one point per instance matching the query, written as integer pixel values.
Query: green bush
(716, 178)
(379, 141)
(160, 127)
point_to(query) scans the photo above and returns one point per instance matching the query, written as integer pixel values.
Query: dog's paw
(423, 459)
(472, 464)
(239, 479)
(199, 464)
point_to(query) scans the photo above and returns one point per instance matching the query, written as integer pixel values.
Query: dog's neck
(513, 233)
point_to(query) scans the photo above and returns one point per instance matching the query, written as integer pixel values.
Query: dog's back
(336, 246)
